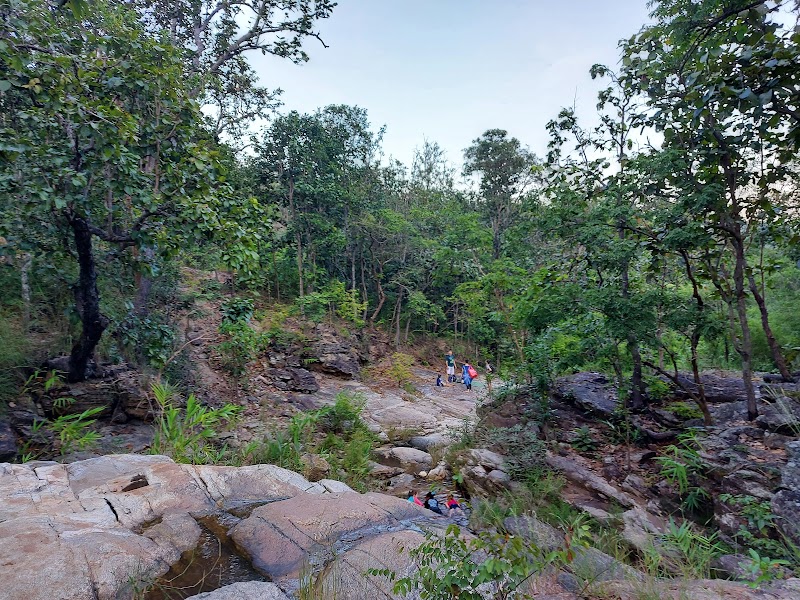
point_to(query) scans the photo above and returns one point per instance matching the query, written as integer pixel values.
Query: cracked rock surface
(97, 529)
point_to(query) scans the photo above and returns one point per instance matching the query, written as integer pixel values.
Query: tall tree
(101, 138)
(504, 167)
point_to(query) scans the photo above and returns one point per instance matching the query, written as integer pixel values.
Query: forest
(664, 238)
(656, 242)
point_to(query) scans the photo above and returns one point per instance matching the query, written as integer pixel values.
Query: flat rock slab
(280, 537)
(91, 530)
(244, 590)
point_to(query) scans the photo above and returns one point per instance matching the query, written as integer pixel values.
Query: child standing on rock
(465, 375)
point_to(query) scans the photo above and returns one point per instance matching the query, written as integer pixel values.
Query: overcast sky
(447, 70)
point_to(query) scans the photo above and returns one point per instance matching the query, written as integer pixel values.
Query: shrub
(243, 344)
(237, 310)
(187, 435)
(401, 368)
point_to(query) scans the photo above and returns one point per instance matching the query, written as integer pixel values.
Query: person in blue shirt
(465, 376)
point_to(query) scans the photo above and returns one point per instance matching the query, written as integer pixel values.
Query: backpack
(472, 372)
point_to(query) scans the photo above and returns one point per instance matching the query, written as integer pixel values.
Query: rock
(485, 458)
(591, 392)
(383, 471)
(790, 475)
(335, 487)
(334, 354)
(500, 478)
(698, 589)
(638, 528)
(781, 416)
(786, 507)
(410, 460)
(94, 529)
(482, 482)
(400, 485)
(776, 441)
(294, 379)
(728, 412)
(8, 441)
(581, 475)
(439, 472)
(545, 536)
(742, 568)
(299, 531)
(718, 389)
(244, 590)
(347, 576)
(748, 483)
(315, 467)
(427, 442)
(600, 515)
(634, 484)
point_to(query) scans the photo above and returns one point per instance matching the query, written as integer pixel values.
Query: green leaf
(5, 85)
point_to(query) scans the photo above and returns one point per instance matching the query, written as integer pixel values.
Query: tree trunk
(87, 299)
(695, 341)
(777, 356)
(746, 347)
(398, 309)
(25, 284)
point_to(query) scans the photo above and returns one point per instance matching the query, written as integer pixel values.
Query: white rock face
(95, 529)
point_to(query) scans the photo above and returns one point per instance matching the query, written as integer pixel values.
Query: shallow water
(213, 564)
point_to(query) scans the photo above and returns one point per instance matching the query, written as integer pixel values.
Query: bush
(188, 435)
(243, 345)
(237, 310)
(401, 368)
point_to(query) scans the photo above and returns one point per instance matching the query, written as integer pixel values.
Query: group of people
(431, 503)
(468, 372)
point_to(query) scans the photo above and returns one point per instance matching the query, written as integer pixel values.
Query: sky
(448, 70)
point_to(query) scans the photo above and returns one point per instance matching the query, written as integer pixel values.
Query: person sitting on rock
(431, 503)
(453, 505)
(414, 499)
(439, 382)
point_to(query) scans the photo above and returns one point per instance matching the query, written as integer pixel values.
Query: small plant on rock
(583, 440)
(187, 435)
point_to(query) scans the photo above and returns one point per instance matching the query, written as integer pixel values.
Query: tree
(215, 37)
(725, 97)
(101, 139)
(505, 169)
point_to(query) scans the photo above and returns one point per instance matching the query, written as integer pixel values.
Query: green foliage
(336, 432)
(400, 369)
(685, 410)
(486, 566)
(243, 344)
(582, 440)
(188, 434)
(684, 550)
(658, 389)
(15, 352)
(683, 467)
(147, 337)
(63, 434)
(764, 569)
(237, 310)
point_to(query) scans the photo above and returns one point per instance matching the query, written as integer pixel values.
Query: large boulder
(281, 537)
(410, 460)
(592, 392)
(95, 529)
(334, 354)
(347, 576)
(294, 379)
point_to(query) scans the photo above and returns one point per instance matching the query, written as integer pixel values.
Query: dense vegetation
(664, 238)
